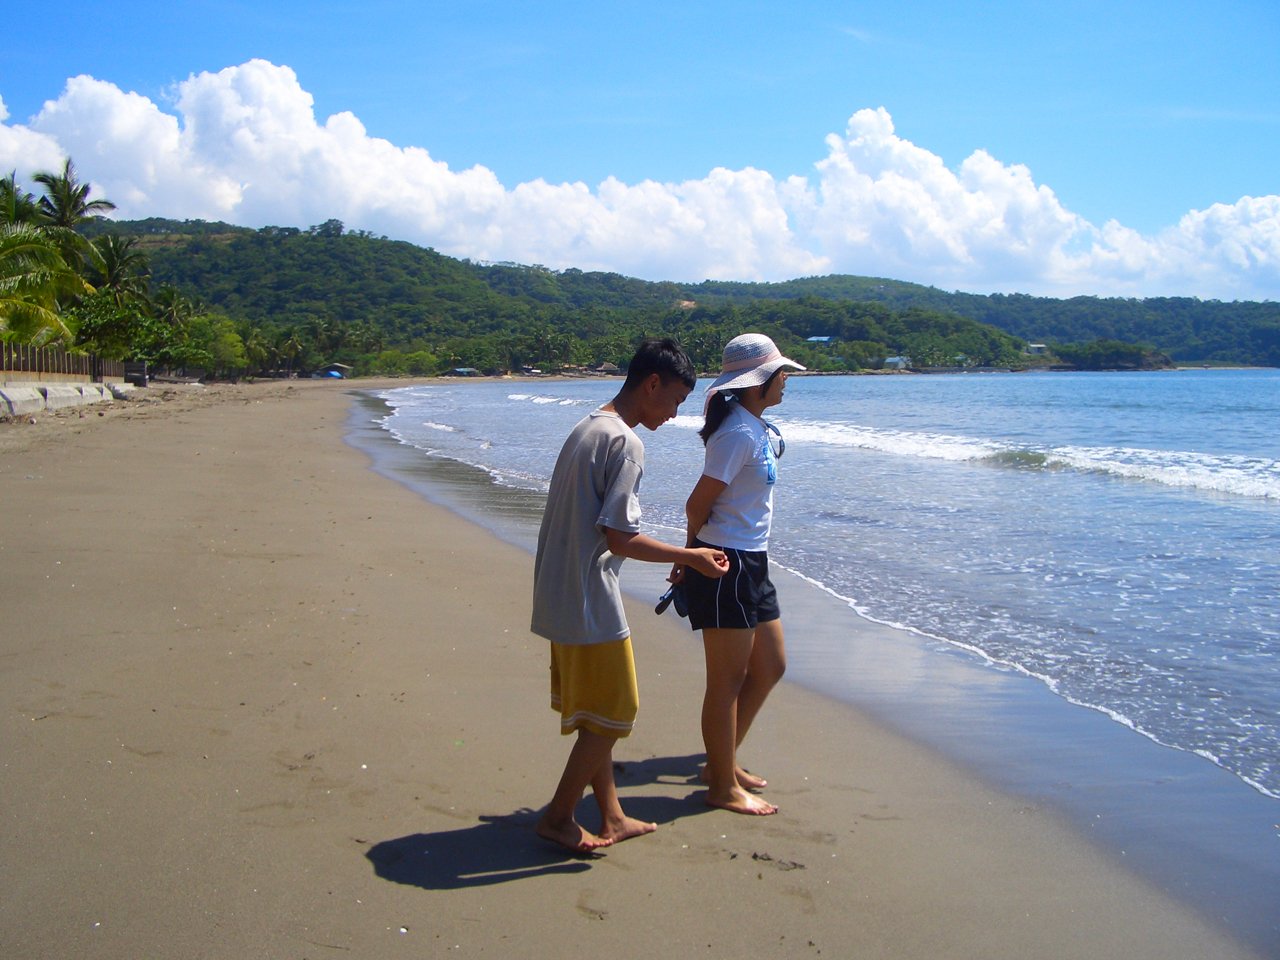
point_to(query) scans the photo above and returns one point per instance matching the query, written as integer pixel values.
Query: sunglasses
(673, 596)
(778, 445)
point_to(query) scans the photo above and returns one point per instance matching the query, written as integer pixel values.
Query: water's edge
(1193, 829)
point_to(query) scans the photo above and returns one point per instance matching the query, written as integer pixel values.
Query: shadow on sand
(499, 849)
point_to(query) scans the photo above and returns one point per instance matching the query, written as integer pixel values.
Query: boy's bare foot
(615, 831)
(746, 779)
(739, 801)
(571, 835)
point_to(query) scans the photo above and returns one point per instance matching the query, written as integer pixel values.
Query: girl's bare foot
(746, 779)
(571, 836)
(624, 828)
(738, 800)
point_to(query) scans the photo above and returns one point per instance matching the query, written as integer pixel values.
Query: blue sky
(1097, 129)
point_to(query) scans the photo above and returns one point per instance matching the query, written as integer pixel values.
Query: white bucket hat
(749, 360)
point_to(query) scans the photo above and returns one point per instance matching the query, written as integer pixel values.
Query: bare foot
(746, 779)
(739, 801)
(571, 836)
(624, 828)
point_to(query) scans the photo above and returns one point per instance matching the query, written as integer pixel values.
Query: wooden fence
(19, 361)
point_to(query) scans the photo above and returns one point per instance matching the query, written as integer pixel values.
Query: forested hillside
(327, 294)
(389, 306)
(213, 299)
(411, 294)
(1186, 328)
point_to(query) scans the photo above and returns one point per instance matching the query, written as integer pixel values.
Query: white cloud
(886, 207)
(24, 151)
(244, 145)
(133, 153)
(726, 225)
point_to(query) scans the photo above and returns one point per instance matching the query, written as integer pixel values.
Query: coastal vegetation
(224, 300)
(1188, 329)
(64, 283)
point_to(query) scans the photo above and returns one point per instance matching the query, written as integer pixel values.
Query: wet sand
(262, 701)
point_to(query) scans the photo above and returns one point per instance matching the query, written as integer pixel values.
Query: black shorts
(742, 599)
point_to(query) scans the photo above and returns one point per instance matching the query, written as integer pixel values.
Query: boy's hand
(676, 574)
(712, 563)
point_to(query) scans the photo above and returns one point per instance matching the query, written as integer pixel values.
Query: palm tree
(64, 207)
(16, 205)
(511, 353)
(33, 278)
(366, 337)
(290, 347)
(545, 343)
(122, 268)
(257, 348)
(171, 307)
(66, 200)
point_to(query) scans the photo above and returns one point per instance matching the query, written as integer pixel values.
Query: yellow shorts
(593, 686)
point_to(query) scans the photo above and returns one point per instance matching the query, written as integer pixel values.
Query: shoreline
(1212, 844)
(266, 701)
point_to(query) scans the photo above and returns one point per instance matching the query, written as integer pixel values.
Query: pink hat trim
(751, 362)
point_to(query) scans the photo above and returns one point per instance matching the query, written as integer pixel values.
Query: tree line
(225, 300)
(391, 307)
(1188, 329)
(64, 284)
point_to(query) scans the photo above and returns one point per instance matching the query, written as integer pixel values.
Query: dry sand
(259, 701)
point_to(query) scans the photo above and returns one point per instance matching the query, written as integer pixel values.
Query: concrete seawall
(26, 399)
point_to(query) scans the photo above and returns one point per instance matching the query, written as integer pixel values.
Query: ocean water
(1107, 542)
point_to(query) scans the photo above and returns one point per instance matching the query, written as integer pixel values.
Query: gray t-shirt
(595, 484)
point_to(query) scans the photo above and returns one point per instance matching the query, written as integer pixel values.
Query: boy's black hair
(663, 356)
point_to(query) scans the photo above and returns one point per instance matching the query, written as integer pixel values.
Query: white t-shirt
(739, 455)
(595, 484)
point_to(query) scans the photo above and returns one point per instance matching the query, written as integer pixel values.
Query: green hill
(1186, 328)
(400, 296)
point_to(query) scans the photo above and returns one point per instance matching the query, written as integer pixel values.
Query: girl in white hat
(731, 507)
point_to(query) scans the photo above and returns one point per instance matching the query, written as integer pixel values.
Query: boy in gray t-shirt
(590, 525)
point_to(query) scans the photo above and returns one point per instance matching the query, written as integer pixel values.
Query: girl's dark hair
(717, 410)
(664, 357)
(720, 403)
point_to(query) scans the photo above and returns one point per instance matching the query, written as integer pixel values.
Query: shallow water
(1115, 536)
(1039, 545)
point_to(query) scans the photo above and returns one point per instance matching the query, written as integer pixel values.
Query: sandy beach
(260, 701)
